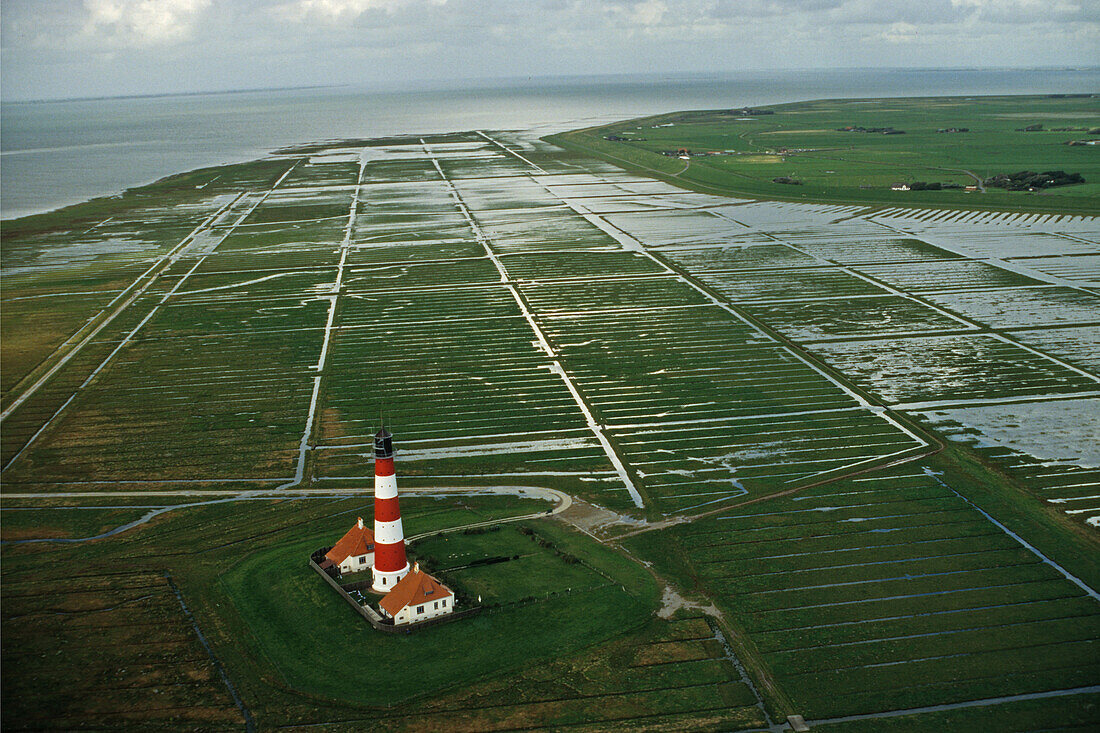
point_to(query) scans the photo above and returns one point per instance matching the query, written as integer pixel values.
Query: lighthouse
(390, 564)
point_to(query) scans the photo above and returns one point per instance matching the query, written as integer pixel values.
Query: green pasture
(742, 155)
(338, 655)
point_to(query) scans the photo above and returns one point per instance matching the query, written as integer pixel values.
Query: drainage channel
(732, 657)
(249, 723)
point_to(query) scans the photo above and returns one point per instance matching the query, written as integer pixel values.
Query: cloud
(336, 11)
(65, 48)
(141, 22)
(1028, 11)
(900, 33)
(769, 8)
(649, 12)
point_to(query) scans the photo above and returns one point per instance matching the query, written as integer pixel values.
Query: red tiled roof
(358, 541)
(415, 588)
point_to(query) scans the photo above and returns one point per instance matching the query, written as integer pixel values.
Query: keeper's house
(355, 550)
(417, 597)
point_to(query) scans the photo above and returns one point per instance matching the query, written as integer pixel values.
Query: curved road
(561, 500)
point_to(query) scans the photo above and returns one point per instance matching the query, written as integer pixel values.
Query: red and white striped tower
(390, 564)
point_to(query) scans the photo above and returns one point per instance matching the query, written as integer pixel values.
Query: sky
(88, 48)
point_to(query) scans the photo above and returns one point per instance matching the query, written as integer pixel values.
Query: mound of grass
(542, 607)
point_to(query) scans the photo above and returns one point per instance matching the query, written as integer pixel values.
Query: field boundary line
(560, 499)
(506, 149)
(1028, 546)
(984, 702)
(249, 722)
(983, 401)
(555, 365)
(151, 273)
(322, 358)
(133, 332)
(664, 524)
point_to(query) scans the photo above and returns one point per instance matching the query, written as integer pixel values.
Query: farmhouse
(416, 597)
(354, 551)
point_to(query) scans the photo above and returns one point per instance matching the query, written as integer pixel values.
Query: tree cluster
(1032, 181)
(880, 130)
(932, 186)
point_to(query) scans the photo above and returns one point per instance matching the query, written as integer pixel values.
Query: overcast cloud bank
(60, 48)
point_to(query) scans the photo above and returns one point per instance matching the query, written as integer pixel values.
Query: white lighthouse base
(384, 582)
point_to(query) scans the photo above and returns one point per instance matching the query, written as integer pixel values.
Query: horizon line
(474, 82)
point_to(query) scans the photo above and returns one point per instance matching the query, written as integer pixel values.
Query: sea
(56, 153)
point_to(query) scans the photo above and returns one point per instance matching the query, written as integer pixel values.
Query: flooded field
(521, 315)
(638, 343)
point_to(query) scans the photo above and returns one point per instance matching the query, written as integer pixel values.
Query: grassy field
(891, 592)
(742, 154)
(819, 413)
(560, 640)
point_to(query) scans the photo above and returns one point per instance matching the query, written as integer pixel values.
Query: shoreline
(199, 132)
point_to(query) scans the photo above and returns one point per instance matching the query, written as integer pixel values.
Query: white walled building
(355, 550)
(417, 597)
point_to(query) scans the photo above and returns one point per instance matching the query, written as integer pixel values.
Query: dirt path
(560, 499)
(508, 150)
(322, 359)
(977, 179)
(598, 430)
